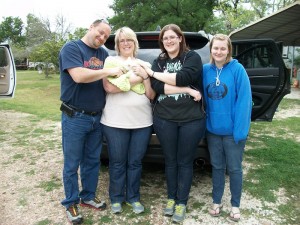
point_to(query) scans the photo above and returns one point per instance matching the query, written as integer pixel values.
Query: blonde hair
(221, 37)
(129, 33)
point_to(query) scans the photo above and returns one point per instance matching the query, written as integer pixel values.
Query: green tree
(146, 15)
(37, 31)
(296, 59)
(230, 15)
(43, 43)
(78, 34)
(48, 53)
(11, 30)
(20, 53)
(264, 7)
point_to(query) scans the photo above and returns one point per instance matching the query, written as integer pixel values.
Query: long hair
(221, 37)
(183, 47)
(128, 33)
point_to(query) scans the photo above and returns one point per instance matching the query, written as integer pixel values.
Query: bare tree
(62, 27)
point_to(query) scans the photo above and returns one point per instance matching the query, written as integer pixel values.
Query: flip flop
(235, 216)
(215, 211)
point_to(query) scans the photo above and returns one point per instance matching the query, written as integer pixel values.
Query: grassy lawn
(275, 153)
(273, 149)
(36, 95)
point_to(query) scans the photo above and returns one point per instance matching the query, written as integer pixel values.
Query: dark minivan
(269, 78)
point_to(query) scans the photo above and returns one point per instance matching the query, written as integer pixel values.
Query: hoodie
(228, 97)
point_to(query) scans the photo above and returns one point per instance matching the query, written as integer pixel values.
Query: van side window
(3, 58)
(4, 70)
(253, 56)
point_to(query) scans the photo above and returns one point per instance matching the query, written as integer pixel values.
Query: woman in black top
(179, 119)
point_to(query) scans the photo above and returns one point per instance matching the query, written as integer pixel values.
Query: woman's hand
(146, 66)
(140, 71)
(195, 93)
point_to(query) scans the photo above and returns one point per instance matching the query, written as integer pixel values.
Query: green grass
(35, 94)
(18, 156)
(278, 162)
(22, 201)
(275, 156)
(44, 222)
(48, 186)
(272, 151)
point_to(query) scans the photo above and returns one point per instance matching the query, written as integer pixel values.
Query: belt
(95, 113)
(87, 113)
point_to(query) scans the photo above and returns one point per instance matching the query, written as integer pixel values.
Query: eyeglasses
(171, 38)
(123, 41)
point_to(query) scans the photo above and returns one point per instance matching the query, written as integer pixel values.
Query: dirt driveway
(31, 189)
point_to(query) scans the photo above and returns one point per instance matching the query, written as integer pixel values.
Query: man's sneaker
(74, 215)
(179, 214)
(169, 210)
(137, 207)
(116, 208)
(94, 203)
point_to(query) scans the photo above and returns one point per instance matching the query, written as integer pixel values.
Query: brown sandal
(215, 211)
(235, 214)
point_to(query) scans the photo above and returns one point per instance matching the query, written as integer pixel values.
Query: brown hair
(221, 37)
(183, 47)
(98, 21)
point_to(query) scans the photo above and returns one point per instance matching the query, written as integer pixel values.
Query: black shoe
(74, 215)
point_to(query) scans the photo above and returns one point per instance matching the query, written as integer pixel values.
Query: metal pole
(292, 69)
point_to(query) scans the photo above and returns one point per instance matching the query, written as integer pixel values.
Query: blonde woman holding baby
(127, 121)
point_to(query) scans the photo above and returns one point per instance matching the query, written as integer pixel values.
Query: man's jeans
(179, 142)
(126, 148)
(82, 144)
(225, 154)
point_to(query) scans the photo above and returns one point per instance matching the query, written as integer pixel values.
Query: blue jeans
(225, 154)
(126, 149)
(179, 142)
(82, 144)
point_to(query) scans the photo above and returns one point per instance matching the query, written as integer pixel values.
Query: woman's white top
(127, 110)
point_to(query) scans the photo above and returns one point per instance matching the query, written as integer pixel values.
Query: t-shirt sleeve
(70, 56)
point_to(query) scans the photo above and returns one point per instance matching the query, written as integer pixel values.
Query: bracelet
(146, 78)
(153, 74)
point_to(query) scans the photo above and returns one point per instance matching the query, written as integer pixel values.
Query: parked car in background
(269, 78)
(25, 64)
(7, 72)
(21, 64)
(40, 66)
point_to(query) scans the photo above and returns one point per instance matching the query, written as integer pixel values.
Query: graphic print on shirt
(216, 92)
(94, 64)
(172, 67)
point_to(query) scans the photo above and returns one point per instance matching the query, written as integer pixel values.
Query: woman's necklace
(218, 75)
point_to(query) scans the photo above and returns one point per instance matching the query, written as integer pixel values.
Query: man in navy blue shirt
(83, 98)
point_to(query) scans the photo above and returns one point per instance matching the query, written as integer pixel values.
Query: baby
(128, 65)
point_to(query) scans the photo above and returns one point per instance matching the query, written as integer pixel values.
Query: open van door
(7, 72)
(269, 78)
